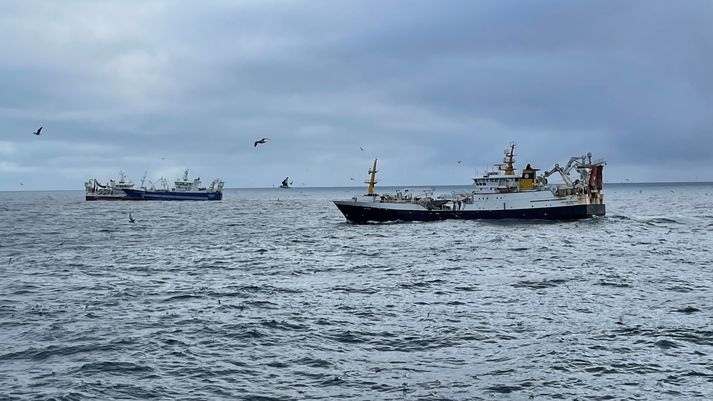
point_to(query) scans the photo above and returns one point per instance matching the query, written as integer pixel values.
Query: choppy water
(255, 298)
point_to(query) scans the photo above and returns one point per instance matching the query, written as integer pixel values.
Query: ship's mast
(509, 160)
(372, 180)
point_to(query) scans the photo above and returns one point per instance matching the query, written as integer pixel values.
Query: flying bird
(261, 141)
(38, 131)
(360, 148)
(459, 161)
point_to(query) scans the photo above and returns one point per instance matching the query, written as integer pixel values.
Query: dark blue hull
(364, 214)
(137, 194)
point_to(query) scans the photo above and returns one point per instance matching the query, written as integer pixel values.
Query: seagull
(351, 178)
(262, 141)
(38, 131)
(459, 161)
(360, 148)
(131, 219)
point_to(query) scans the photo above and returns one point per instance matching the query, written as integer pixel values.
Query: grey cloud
(419, 83)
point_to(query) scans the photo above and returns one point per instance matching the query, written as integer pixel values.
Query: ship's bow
(358, 212)
(349, 210)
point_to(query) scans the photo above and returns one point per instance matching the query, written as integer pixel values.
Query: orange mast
(509, 160)
(372, 180)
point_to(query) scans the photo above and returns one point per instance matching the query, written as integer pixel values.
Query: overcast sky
(160, 86)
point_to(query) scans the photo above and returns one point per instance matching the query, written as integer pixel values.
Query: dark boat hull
(105, 197)
(135, 194)
(357, 213)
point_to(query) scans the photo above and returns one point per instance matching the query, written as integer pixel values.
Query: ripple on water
(257, 299)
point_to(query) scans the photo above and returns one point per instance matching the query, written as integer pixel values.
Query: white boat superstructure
(113, 190)
(185, 185)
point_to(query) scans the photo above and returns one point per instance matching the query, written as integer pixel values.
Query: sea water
(271, 295)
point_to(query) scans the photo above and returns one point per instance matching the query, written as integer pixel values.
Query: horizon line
(391, 186)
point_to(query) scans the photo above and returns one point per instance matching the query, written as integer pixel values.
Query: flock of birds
(258, 142)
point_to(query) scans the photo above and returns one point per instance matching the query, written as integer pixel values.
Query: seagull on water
(38, 131)
(131, 219)
(261, 141)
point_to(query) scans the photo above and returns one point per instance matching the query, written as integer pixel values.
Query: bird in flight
(261, 141)
(38, 131)
(459, 161)
(360, 148)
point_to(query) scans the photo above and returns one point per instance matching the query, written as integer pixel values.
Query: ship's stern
(596, 210)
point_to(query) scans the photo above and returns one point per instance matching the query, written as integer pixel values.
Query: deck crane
(580, 163)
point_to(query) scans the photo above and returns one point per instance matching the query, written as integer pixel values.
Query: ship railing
(426, 191)
(465, 197)
(566, 190)
(216, 185)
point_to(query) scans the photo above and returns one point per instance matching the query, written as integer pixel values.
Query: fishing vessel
(499, 194)
(113, 190)
(184, 189)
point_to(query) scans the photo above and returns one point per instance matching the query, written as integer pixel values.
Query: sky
(156, 87)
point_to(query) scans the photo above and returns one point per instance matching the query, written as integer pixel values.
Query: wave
(113, 367)
(536, 285)
(50, 351)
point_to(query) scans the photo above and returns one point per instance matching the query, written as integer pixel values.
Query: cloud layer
(161, 86)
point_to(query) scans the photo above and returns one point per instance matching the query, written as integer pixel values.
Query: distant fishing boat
(500, 194)
(285, 183)
(182, 190)
(113, 190)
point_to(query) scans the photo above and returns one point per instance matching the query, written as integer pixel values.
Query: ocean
(271, 295)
